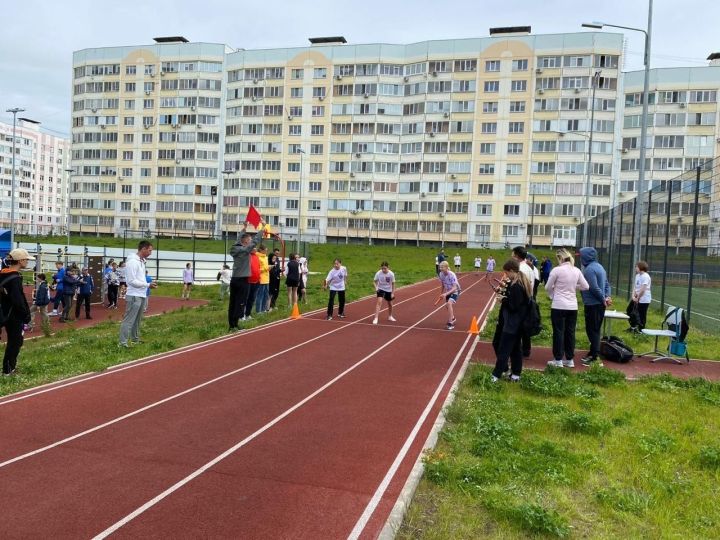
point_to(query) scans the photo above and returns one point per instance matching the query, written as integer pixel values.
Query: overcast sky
(39, 37)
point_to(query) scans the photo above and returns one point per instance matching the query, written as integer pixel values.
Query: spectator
(561, 287)
(58, 283)
(121, 272)
(457, 261)
(87, 286)
(292, 278)
(148, 280)
(113, 285)
(136, 295)
(41, 300)
(478, 265)
(188, 280)
(71, 283)
(641, 293)
(14, 306)
(514, 294)
(261, 300)
(225, 277)
(532, 262)
(545, 270)
(253, 283)
(595, 300)
(520, 254)
(275, 264)
(440, 258)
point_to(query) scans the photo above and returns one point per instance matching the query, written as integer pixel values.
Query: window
(297, 74)
(515, 148)
(492, 65)
(520, 65)
(318, 91)
(518, 86)
(484, 210)
(487, 168)
(317, 129)
(316, 168)
(294, 130)
(488, 127)
(485, 189)
(511, 210)
(490, 107)
(320, 73)
(487, 148)
(517, 106)
(514, 169)
(296, 92)
(491, 86)
(517, 127)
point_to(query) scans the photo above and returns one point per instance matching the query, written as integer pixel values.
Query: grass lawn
(573, 455)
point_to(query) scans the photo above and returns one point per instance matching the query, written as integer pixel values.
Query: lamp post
(67, 204)
(532, 215)
(637, 233)
(221, 197)
(299, 227)
(14, 112)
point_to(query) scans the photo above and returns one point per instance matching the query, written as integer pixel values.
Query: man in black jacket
(14, 306)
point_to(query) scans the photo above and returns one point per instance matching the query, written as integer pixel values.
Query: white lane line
(140, 510)
(179, 394)
(382, 487)
(57, 385)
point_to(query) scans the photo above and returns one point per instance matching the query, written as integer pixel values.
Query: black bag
(633, 311)
(614, 349)
(532, 323)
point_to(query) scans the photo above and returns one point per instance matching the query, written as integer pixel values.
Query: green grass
(566, 455)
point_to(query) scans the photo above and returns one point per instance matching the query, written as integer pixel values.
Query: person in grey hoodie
(595, 300)
(239, 286)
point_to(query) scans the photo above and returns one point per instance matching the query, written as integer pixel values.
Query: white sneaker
(568, 363)
(375, 320)
(53, 314)
(392, 319)
(494, 379)
(555, 363)
(514, 378)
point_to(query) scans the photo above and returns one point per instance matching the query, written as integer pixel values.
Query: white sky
(39, 36)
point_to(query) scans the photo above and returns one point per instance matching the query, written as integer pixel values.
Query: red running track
(299, 429)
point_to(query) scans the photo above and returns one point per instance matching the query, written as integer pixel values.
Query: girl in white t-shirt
(385, 290)
(336, 281)
(478, 264)
(641, 293)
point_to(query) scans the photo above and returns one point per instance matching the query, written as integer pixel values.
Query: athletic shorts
(451, 297)
(292, 282)
(387, 295)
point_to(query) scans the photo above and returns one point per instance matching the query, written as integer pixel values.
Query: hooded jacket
(596, 277)
(241, 256)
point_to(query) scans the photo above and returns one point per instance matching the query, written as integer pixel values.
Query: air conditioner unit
(576, 218)
(147, 92)
(434, 73)
(432, 134)
(254, 98)
(152, 75)
(121, 178)
(94, 109)
(352, 175)
(367, 95)
(198, 126)
(103, 126)
(322, 98)
(290, 117)
(441, 214)
(541, 91)
(177, 160)
(453, 176)
(446, 115)
(255, 81)
(624, 150)
(717, 140)
(146, 126)
(538, 71)
(683, 105)
(406, 78)
(176, 126)
(162, 73)
(358, 154)
(338, 77)
(423, 194)
(192, 107)
(577, 90)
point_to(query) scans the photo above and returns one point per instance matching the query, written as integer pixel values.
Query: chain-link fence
(680, 241)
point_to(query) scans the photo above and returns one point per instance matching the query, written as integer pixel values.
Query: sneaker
(328, 318)
(248, 317)
(591, 361)
(242, 318)
(514, 378)
(375, 320)
(53, 313)
(341, 315)
(555, 363)
(450, 326)
(494, 379)
(568, 363)
(124, 345)
(392, 319)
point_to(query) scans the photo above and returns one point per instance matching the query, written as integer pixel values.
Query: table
(610, 315)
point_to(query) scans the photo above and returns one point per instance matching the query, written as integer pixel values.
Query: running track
(299, 429)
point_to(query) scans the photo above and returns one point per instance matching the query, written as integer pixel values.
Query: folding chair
(677, 329)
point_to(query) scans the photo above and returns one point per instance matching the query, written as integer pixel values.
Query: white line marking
(140, 510)
(180, 394)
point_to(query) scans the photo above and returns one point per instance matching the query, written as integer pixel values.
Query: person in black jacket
(41, 299)
(71, 283)
(14, 307)
(514, 295)
(87, 286)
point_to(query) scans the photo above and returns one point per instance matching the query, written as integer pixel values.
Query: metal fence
(680, 241)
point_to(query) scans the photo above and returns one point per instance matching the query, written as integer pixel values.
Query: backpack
(633, 312)
(5, 298)
(614, 349)
(532, 323)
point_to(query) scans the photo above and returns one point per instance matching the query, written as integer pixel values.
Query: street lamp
(67, 204)
(637, 233)
(299, 227)
(221, 197)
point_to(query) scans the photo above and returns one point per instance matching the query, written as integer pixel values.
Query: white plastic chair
(677, 348)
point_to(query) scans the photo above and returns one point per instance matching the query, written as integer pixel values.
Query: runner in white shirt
(385, 290)
(478, 264)
(457, 260)
(336, 281)
(449, 290)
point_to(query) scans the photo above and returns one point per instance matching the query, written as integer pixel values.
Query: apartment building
(475, 141)
(40, 161)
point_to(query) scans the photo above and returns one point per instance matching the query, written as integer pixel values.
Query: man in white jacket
(136, 295)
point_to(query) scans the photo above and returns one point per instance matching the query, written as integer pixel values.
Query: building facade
(40, 187)
(508, 139)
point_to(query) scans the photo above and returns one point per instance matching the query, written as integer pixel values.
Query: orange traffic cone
(295, 312)
(474, 326)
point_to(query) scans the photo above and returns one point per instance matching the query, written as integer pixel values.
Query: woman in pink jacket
(562, 286)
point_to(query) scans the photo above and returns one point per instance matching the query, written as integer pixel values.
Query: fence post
(619, 244)
(667, 241)
(157, 258)
(647, 228)
(193, 260)
(639, 239)
(692, 244)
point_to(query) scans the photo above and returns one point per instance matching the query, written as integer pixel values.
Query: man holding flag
(240, 252)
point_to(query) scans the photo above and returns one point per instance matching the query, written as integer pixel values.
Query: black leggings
(341, 303)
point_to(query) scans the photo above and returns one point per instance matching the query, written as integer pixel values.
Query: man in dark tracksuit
(87, 286)
(595, 299)
(239, 286)
(14, 306)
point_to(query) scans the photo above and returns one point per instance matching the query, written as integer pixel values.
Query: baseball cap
(20, 254)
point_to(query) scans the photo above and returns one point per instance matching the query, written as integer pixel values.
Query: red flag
(253, 217)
